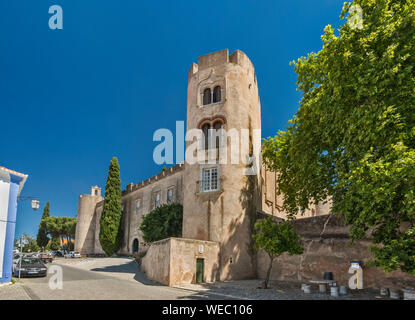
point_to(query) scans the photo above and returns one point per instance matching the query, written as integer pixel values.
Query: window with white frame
(170, 195)
(157, 200)
(210, 179)
(137, 206)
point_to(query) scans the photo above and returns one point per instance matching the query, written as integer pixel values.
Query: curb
(5, 284)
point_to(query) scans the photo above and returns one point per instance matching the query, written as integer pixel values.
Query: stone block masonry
(327, 248)
(172, 261)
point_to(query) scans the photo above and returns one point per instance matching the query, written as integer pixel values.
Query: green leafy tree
(163, 222)
(42, 238)
(110, 235)
(53, 245)
(276, 239)
(61, 228)
(353, 137)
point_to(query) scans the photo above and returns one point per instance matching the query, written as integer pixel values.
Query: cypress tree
(42, 238)
(110, 235)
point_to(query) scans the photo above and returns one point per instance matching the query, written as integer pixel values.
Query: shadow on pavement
(131, 268)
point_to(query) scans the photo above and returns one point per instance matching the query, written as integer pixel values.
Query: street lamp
(35, 203)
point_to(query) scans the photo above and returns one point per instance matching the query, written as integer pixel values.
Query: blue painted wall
(10, 229)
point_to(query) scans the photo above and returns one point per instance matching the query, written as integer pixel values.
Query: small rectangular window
(137, 206)
(170, 195)
(157, 200)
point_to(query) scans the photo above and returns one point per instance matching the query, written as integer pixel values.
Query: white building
(11, 184)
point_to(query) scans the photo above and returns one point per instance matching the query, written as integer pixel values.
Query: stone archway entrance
(135, 246)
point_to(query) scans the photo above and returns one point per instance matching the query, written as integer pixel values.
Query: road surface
(118, 280)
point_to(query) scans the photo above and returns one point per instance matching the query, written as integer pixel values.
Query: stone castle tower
(220, 201)
(85, 225)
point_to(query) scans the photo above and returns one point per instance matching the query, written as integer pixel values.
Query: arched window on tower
(207, 96)
(217, 126)
(205, 129)
(217, 94)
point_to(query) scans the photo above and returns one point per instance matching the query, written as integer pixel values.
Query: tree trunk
(271, 259)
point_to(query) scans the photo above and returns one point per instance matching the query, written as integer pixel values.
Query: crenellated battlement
(168, 172)
(218, 58)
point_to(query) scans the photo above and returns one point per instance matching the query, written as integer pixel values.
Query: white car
(72, 254)
(68, 254)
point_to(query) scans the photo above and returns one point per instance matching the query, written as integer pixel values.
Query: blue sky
(72, 99)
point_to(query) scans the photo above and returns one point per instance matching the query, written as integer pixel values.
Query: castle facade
(220, 201)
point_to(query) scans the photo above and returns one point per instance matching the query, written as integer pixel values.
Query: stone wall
(172, 261)
(326, 248)
(145, 193)
(156, 263)
(90, 210)
(272, 202)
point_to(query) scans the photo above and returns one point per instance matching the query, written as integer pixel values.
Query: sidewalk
(13, 292)
(281, 290)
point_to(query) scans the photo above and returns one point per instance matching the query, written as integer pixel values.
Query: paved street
(120, 278)
(90, 279)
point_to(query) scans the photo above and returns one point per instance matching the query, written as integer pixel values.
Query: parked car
(72, 254)
(57, 253)
(69, 254)
(46, 257)
(16, 258)
(30, 267)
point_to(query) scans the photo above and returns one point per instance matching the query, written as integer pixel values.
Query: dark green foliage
(42, 238)
(353, 137)
(61, 228)
(53, 245)
(58, 228)
(276, 239)
(110, 235)
(163, 222)
(397, 253)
